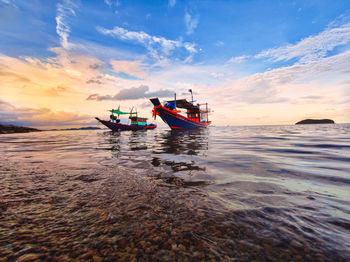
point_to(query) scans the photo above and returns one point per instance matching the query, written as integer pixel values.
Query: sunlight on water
(277, 191)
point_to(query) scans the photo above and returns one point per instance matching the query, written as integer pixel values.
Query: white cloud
(132, 93)
(172, 3)
(188, 59)
(287, 94)
(292, 82)
(311, 48)
(8, 2)
(191, 23)
(64, 11)
(190, 47)
(217, 75)
(158, 47)
(238, 59)
(110, 3)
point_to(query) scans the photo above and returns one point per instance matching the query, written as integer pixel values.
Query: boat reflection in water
(187, 142)
(254, 192)
(176, 154)
(173, 155)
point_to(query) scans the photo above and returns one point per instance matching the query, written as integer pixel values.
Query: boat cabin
(138, 121)
(194, 112)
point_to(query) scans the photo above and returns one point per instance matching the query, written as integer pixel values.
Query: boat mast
(207, 111)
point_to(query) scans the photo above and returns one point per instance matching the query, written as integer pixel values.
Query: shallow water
(261, 192)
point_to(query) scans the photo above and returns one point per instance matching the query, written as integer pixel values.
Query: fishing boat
(196, 117)
(136, 122)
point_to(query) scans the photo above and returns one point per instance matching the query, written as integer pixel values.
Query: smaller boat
(137, 123)
(195, 116)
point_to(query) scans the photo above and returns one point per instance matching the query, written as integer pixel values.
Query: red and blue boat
(196, 117)
(136, 122)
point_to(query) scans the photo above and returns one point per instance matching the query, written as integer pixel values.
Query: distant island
(79, 128)
(10, 129)
(315, 121)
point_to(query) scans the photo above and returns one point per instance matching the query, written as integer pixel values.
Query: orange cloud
(54, 89)
(132, 68)
(29, 116)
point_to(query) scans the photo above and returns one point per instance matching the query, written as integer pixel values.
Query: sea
(233, 193)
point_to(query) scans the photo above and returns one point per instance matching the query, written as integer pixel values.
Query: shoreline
(12, 129)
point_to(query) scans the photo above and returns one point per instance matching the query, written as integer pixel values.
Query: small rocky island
(9, 129)
(315, 121)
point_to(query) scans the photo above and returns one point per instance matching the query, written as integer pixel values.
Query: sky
(256, 62)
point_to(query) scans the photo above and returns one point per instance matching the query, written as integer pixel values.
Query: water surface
(260, 192)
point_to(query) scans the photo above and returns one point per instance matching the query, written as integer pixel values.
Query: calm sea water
(261, 192)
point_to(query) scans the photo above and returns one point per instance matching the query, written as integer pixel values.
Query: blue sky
(255, 58)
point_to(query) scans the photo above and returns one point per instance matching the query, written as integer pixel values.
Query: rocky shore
(116, 216)
(9, 129)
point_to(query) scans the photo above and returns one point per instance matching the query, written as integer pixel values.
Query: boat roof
(183, 103)
(118, 112)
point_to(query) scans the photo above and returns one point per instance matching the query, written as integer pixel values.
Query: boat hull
(174, 120)
(121, 127)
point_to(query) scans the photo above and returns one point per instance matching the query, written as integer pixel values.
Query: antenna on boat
(190, 90)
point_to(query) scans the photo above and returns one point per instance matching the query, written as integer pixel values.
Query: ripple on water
(268, 193)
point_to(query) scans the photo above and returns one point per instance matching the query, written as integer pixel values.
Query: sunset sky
(256, 62)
